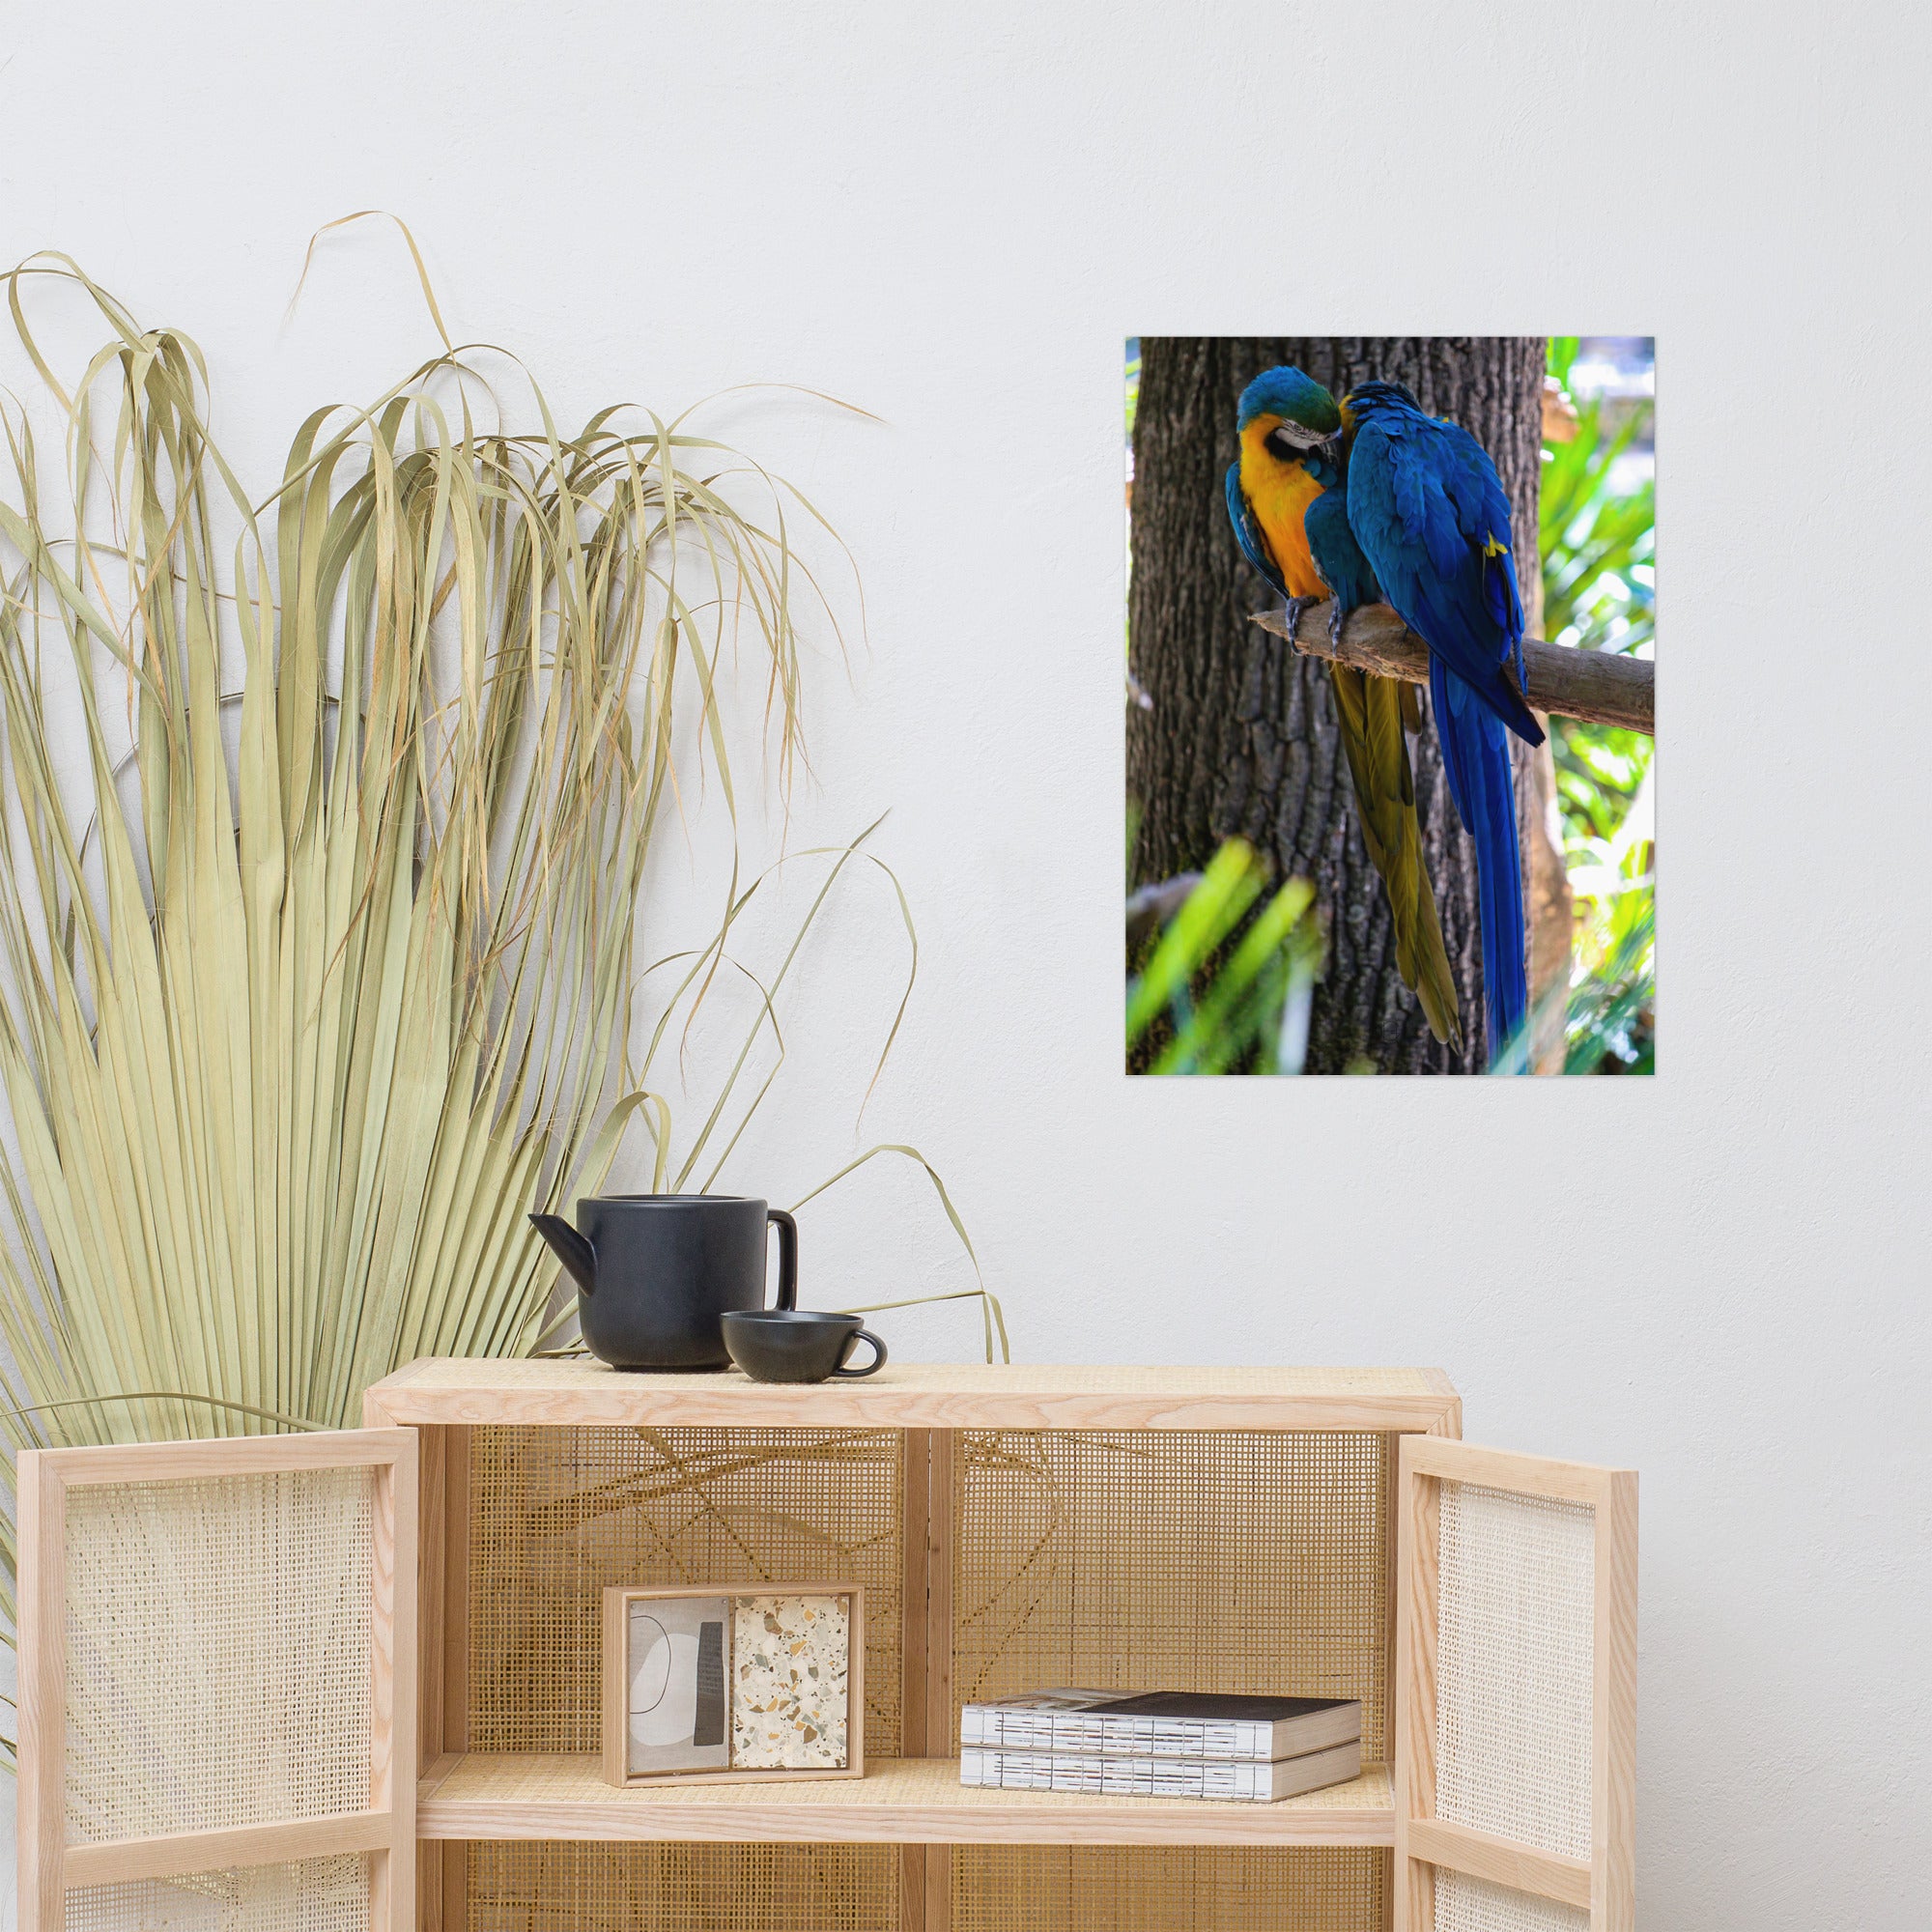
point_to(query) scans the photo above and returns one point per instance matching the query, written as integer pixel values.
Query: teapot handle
(788, 1257)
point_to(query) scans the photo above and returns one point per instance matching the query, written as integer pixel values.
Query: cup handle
(872, 1367)
(788, 1257)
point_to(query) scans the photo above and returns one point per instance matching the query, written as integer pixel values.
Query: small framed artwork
(744, 1684)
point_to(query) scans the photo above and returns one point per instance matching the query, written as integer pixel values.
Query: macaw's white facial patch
(1295, 437)
(790, 1683)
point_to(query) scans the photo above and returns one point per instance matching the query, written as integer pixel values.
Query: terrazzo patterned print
(790, 1660)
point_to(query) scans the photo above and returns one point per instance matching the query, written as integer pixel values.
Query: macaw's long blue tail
(1475, 751)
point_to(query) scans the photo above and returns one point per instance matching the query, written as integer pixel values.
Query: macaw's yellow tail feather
(1371, 710)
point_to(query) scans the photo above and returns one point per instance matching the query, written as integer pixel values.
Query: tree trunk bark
(1241, 736)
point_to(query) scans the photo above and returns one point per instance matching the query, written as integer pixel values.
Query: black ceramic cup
(791, 1345)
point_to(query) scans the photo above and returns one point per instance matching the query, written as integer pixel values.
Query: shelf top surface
(899, 1801)
(922, 1396)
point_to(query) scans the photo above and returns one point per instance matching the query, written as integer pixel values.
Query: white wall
(953, 216)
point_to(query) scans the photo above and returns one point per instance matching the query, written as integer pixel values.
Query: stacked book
(1164, 1744)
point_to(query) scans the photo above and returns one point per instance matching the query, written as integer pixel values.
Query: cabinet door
(1516, 1692)
(217, 1685)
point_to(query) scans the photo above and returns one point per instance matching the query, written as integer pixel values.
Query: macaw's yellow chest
(1279, 493)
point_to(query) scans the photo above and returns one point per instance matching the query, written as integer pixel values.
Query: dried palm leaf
(319, 973)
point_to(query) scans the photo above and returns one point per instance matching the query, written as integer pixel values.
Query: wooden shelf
(898, 1801)
(580, 1391)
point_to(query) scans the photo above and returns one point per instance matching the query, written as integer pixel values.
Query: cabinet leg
(937, 1889)
(912, 1889)
(442, 1872)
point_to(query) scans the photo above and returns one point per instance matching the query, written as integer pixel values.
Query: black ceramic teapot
(655, 1272)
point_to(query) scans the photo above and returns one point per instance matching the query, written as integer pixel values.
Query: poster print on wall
(1420, 839)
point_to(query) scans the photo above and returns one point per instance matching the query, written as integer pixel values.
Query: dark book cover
(1216, 1708)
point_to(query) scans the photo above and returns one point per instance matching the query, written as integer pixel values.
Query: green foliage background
(1599, 543)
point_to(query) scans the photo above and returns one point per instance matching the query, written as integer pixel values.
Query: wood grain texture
(1604, 686)
(1505, 1469)
(41, 1641)
(614, 1714)
(1613, 1764)
(915, 1476)
(442, 1582)
(443, 1876)
(231, 1456)
(456, 1517)
(1391, 1478)
(393, 1711)
(912, 1889)
(432, 1582)
(938, 1396)
(441, 1867)
(941, 1515)
(899, 1801)
(178, 1852)
(937, 1889)
(1604, 1885)
(1449, 1423)
(1500, 1860)
(442, 1649)
(855, 1682)
(1417, 1512)
(1412, 1886)
(385, 1829)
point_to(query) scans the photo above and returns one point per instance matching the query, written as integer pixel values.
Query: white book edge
(1225, 1780)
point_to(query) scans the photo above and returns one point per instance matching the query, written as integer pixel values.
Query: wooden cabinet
(217, 1693)
(1320, 1530)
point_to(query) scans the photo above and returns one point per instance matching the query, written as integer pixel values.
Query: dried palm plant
(318, 973)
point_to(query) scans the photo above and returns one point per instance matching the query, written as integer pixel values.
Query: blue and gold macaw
(1428, 511)
(1286, 502)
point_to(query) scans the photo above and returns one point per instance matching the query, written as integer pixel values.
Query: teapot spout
(570, 1248)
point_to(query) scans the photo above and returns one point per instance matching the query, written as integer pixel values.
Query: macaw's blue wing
(1254, 544)
(1338, 557)
(1476, 755)
(1427, 508)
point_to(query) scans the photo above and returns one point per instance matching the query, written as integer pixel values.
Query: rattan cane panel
(534, 1886)
(558, 1514)
(217, 1651)
(1147, 1559)
(312, 1895)
(1514, 1666)
(1107, 1889)
(1464, 1904)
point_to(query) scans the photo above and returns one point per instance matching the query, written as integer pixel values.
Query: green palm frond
(1225, 987)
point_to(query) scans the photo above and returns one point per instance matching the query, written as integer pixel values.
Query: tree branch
(1600, 686)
